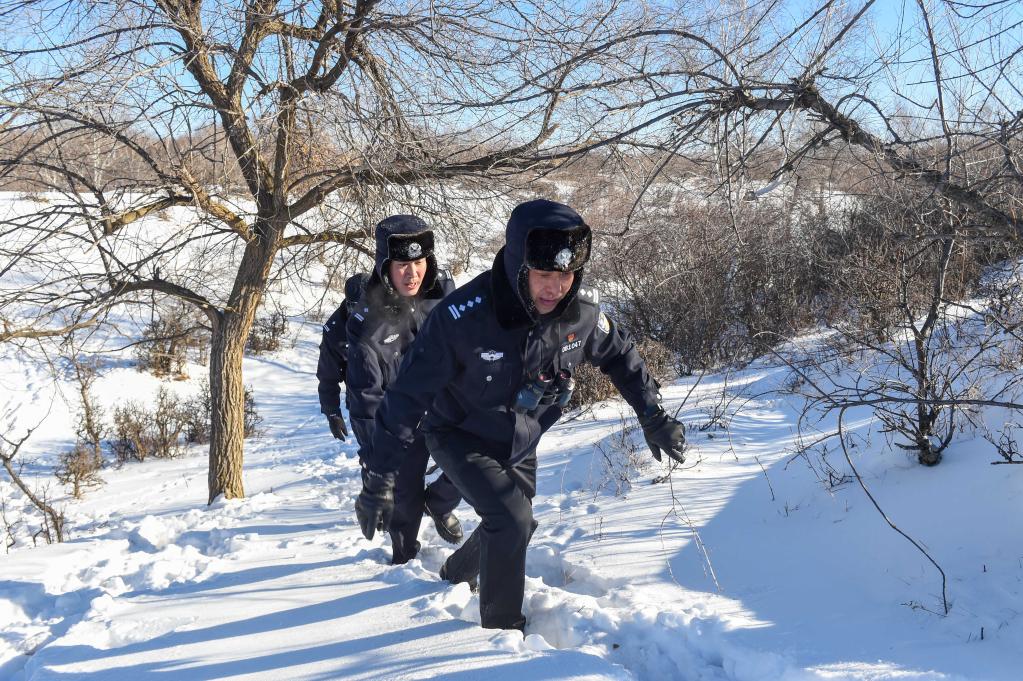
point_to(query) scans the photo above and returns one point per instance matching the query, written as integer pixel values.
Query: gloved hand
(663, 432)
(337, 426)
(375, 504)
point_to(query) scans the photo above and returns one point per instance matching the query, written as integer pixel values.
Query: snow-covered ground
(740, 566)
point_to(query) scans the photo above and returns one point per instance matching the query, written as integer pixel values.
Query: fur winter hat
(404, 238)
(545, 235)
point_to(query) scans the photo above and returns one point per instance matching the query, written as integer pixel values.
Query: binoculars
(546, 388)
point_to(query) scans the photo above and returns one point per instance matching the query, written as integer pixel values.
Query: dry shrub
(131, 428)
(167, 425)
(169, 339)
(251, 416)
(140, 433)
(592, 385)
(195, 415)
(80, 469)
(267, 334)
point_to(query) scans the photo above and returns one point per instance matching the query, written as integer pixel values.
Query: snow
(741, 565)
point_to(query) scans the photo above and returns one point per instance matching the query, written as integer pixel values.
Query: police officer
(389, 307)
(493, 366)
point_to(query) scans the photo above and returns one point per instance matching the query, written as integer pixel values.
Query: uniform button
(490, 378)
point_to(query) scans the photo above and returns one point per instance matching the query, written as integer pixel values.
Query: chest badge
(491, 355)
(390, 339)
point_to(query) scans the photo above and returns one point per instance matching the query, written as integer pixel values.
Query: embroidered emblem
(570, 337)
(491, 356)
(563, 258)
(390, 339)
(603, 323)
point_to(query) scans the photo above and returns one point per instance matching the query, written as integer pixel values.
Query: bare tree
(291, 126)
(239, 132)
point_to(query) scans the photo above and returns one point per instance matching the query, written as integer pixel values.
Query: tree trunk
(227, 400)
(227, 389)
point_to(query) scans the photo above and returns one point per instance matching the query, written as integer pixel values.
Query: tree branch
(121, 288)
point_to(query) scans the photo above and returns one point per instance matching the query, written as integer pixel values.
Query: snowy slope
(622, 573)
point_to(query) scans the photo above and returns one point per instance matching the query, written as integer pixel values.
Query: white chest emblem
(390, 339)
(563, 258)
(491, 355)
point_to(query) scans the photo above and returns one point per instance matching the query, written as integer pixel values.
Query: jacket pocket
(494, 381)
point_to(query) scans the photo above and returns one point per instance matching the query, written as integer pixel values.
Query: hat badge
(563, 258)
(414, 249)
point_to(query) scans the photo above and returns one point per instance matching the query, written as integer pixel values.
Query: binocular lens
(529, 395)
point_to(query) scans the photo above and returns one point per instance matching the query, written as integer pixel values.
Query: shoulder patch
(589, 295)
(603, 323)
(458, 310)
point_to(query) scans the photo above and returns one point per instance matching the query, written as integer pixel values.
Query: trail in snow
(282, 584)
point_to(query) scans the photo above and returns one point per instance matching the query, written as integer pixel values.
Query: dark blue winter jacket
(382, 324)
(485, 341)
(333, 362)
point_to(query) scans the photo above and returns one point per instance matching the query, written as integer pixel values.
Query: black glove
(337, 426)
(664, 432)
(375, 504)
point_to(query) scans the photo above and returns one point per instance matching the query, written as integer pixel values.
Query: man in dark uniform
(493, 366)
(389, 307)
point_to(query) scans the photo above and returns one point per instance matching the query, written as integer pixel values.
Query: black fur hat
(404, 238)
(545, 235)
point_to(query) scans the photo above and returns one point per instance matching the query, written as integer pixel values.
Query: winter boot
(448, 526)
(464, 564)
(473, 580)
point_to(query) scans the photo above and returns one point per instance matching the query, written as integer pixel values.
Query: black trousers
(503, 498)
(412, 496)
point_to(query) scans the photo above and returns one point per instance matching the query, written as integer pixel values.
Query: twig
(845, 450)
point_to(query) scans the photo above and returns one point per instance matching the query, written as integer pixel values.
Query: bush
(195, 414)
(167, 340)
(252, 417)
(267, 333)
(140, 433)
(592, 386)
(90, 426)
(166, 425)
(131, 432)
(80, 468)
